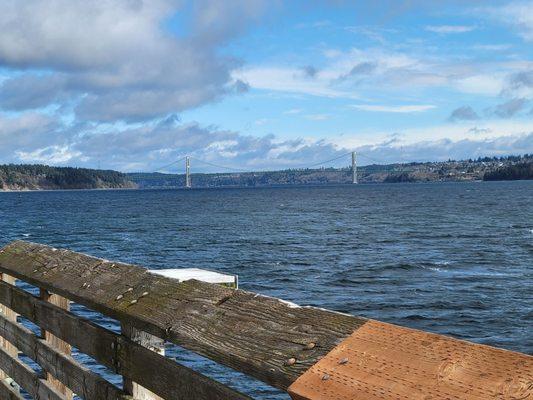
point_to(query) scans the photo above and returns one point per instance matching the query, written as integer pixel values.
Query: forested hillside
(515, 172)
(488, 168)
(42, 177)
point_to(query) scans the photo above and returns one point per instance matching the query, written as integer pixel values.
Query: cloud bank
(102, 82)
(33, 137)
(115, 60)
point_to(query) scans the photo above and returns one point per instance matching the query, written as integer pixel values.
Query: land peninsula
(44, 177)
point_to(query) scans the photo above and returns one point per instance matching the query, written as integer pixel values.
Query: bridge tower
(354, 168)
(187, 172)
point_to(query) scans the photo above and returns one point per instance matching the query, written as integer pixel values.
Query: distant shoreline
(314, 185)
(44, 178)
(62, 190)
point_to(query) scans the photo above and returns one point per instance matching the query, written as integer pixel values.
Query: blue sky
(134, 85)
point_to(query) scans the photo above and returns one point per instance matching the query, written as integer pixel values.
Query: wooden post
(55, 342)
(150, 342)
(157, 344)
(12, 316)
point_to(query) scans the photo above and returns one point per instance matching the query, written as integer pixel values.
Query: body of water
(450, 258)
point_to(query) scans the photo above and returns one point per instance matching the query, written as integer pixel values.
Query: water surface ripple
(450, 258)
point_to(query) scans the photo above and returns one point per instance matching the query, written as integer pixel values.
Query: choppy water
(453, 258)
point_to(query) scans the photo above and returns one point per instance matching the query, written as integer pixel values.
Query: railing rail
(251, 333)
(269, 339)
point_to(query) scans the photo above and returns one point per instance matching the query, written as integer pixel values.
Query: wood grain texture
(7, 392)
(151, 342)
(55, 342)
(254, 334)
(387, 362)
(68, 371)
(161, 375)
(11, 315)
(27, 378)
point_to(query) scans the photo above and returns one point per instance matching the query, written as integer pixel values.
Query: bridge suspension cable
(169, 165)
(249, 170)
(235, 169)
(371, 159)
(324, 162)
(221, 166)
(241, 170)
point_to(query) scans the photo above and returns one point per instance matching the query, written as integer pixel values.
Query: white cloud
(317, 24)
(261, 121)
(27, 131)
(488, 129)
(492, 47)
(361, 73)
(520, 84)
(49, 155)
(450, 28)
(318, 117)
(394, 109)
(37, 138)
(114, 59)
(392, 150)
(293, 111)
(517, 15)
(289, 80)
(481, 83)
(464, 113)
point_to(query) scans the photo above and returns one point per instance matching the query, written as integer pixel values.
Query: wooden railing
(266, 338)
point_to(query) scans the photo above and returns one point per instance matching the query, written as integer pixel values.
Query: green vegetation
(244, 179)
(445, 171)
(36, 177)
(399, 178)
(520, 171)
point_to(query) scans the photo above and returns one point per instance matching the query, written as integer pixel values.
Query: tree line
(38, 176)
(519, 171)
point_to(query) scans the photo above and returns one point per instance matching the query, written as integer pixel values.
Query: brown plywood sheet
(380, 361)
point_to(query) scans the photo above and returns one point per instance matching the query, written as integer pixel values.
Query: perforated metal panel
(386, 362)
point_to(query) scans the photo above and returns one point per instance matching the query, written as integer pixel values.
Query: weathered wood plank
(381, 361)
(55, 342)
(68, 371)
(7, 392)
(159, 374)
(27, 378)
(151, 342)
(11, 315)
(263, 337)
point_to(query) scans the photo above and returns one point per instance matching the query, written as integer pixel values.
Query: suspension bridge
(188, 161)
